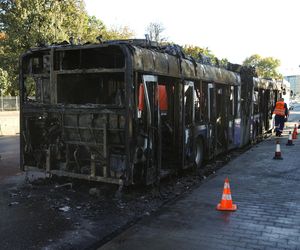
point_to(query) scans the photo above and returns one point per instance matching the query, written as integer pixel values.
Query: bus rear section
(74, 106)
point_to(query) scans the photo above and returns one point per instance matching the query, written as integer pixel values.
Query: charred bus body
(265, 94)
(127, 112)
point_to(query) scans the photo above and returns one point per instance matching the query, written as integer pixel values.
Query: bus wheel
(198, 153)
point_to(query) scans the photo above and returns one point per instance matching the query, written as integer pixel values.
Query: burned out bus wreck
(127, 112)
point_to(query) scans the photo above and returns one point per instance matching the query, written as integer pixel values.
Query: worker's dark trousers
(279, 123)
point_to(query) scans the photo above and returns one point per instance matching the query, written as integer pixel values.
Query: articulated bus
(129, 112)
(265, 94)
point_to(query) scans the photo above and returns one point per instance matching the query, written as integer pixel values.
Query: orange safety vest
(279, 109)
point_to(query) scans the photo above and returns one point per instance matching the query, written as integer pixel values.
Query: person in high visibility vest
(281, 114)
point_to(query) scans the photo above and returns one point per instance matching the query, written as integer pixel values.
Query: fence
(9, 103)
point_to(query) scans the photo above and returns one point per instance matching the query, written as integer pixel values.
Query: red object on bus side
(163, 100)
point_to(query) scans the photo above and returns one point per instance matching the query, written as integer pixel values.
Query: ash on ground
(62, 213)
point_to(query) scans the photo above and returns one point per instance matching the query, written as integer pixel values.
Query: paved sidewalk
(266, 191)
(9, 123)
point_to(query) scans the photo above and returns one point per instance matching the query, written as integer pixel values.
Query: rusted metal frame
(83, 143)
(40, 75)
(177, 121)
(93, 166)
(75, 175)
(21, 122)
(136, 128)
(87, 177)
(111, 129)
(77, 130)
(48, 159)
(88, 71)
(183, 149)
(80, 47)
(105, 150)
(128, 84)
(159, 134)
(29, 108)
(53, 79)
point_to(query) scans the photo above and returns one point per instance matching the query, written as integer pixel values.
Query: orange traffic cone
(226, 202)
(295, 129)
(295, 132)
(290, 140)
(277, 152)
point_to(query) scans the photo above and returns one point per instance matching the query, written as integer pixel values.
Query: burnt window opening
(105, 89)
(199, 116)
(189, 100)
(107, 57)
(36, 89)
(37, 64)
(204, 101)
(255, 102)
(29, 89)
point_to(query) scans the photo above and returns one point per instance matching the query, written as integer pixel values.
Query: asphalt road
(9, 153)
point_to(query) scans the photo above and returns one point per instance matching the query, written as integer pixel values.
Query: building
(294, 80)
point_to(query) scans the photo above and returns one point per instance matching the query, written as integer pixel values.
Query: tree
(118, 32)
(31, 23)
(4, 82)
(95, 28)
(41, 21)
(195, 51)
(199, 53)
(155, 30)
(266, 67)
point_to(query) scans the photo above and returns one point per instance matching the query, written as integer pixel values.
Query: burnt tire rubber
(198, 154)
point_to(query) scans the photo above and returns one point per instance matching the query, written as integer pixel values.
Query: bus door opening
(221, 118)
(189, 120)
(150, 133)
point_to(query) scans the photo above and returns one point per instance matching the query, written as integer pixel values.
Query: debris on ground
(69, 184)
(64, 209)
(88, 212)
(13, 203)
(94, 192)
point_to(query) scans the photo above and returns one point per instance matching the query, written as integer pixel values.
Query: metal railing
(9, 103)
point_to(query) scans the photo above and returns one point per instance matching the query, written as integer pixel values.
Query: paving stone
(268, 216)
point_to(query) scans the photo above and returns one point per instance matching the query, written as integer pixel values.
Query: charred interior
(74, 112)
(98, 88)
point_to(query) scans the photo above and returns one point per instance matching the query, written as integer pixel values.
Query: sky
(232, 29)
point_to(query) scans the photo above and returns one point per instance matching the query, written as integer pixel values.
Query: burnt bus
(128, 112)
(265, 94)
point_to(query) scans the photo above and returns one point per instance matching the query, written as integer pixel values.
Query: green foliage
(120, 32)
(266, 67)
(194, 51)
(4, 82)
(94, 29)
(198, 52)
(31, 23)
